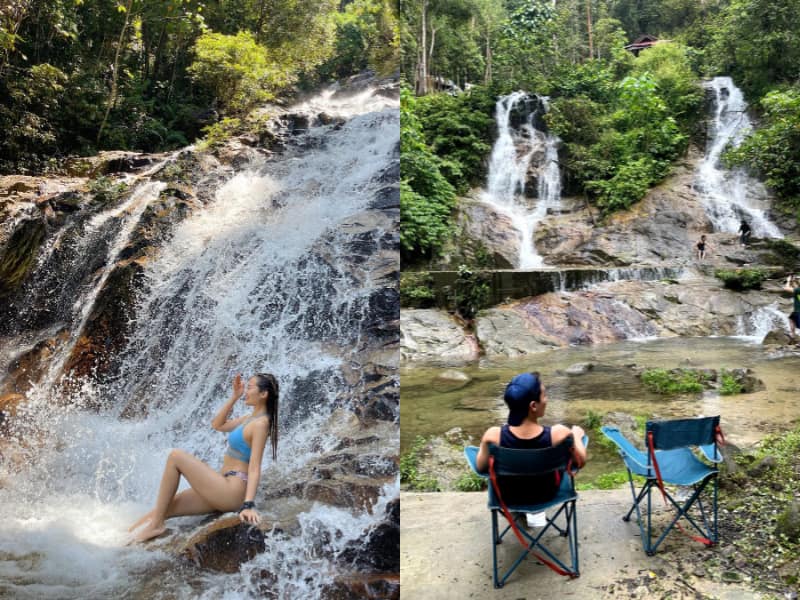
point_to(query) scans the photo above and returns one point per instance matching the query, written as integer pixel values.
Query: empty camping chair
(517, 478)
(668, 459)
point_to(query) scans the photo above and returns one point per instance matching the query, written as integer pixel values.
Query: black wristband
(247, 505)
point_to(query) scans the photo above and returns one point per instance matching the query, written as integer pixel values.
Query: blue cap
(520, 392)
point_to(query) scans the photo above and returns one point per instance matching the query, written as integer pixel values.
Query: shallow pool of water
(430, 407)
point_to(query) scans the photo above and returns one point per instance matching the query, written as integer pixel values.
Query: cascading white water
(731, 195)
(756, 325)
(258, 281)
(508, 171)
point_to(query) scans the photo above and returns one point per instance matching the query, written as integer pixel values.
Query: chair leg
(495, 541)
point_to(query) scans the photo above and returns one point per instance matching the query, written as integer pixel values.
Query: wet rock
(18, 256)
(31, 365)
(746, 379)
(483, 231)
(96, 354)
(368, 587)
(579, 368)
(115, 161)
(456, 436)
(433, 335)
(761, 467)
(8, 406)
(227, 543)
(378, 549)
(777, 337)
(451, 380)
(506, 332)
(788, 522)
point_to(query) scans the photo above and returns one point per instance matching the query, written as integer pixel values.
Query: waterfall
(267, 277)
(729, 196)
(509, 164)
(757, 324)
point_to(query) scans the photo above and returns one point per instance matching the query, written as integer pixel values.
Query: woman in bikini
(234, 487)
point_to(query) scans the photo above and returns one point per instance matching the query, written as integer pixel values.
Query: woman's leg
(218, 492)
(188, 502)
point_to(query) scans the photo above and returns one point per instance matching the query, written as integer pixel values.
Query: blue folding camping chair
(668, 459)
(522, 475)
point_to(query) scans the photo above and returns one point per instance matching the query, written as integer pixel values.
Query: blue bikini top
(237, 447)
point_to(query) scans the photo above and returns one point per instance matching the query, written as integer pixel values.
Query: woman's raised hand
(238, 386)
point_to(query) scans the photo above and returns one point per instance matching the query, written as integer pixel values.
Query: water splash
(756, 325)
(509, 164)
(731, 195)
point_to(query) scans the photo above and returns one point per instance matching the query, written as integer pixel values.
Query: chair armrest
(626, 448)
(709, 451)
(471, 454)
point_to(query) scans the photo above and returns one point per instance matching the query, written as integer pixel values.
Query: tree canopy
(77, 76)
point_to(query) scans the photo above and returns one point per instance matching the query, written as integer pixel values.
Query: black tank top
(527, 489)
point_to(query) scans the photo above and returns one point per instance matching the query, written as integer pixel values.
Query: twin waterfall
(524, 147)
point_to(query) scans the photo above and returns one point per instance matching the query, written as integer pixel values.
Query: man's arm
(492, 436)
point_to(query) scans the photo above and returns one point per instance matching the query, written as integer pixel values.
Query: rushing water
(260, 280)
(509, 165)
(431, 407)
(731, 195)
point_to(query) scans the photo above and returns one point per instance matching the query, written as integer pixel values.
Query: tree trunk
(487, 74)
(430, 58)
(422, 66)
(589, 27)
(112, 98)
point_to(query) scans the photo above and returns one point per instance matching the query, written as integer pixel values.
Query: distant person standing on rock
(702, 246)
(744, 231)
(793, 286)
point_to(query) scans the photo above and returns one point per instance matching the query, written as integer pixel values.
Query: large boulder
(434, 335)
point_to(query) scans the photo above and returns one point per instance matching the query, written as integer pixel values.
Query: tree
(237, 70)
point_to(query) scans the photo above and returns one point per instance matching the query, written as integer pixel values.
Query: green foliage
(409, 465)
(366, 36)
(218, 133)
(58, 60)
(236, 70)
(416, 290)
(675, 381)
(612, 480)
(630, 182)
(106, 190)
(668, 65)
(755, 41)
(471, 292)
(773, 150)
(728, 385)
(458, 129)
(471, 482)
(742, 279)
(426, 197)
(592, 420)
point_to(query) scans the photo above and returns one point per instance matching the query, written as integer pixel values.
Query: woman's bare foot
(150, 532)
(141, 521)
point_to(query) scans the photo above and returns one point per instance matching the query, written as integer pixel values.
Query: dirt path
(445, 552)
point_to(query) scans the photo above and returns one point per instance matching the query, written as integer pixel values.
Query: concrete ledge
(446, 553)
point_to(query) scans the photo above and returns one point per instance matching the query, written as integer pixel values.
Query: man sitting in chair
(527, 400)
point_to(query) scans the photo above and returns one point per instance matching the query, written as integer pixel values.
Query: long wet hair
(266, 382)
